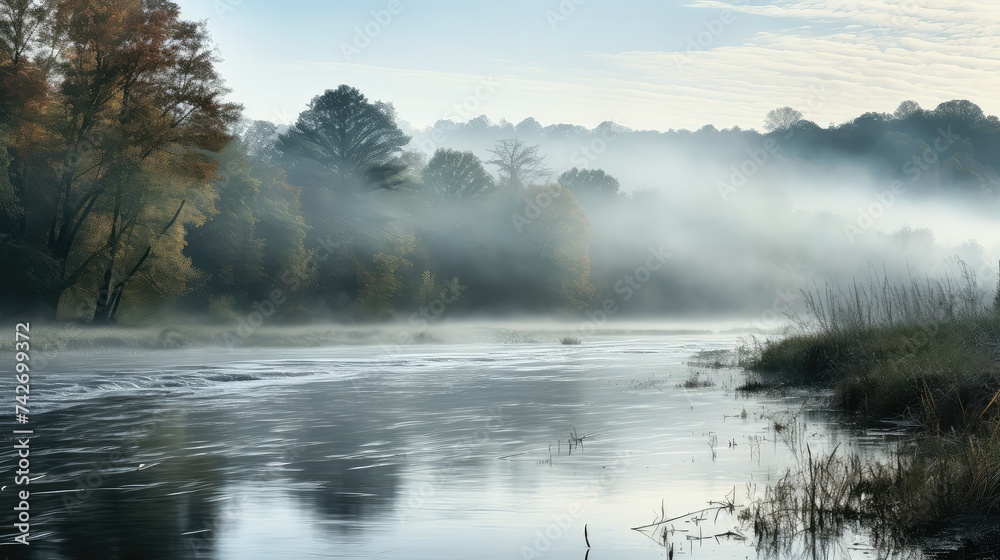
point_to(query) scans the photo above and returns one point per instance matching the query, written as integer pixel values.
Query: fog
(748, 217)
(347, 216)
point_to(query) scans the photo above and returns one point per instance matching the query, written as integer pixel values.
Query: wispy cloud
(858, 55)
(863, 55)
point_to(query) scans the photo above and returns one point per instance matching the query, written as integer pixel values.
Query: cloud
(831, 59)
(952, 19)
(842, 58)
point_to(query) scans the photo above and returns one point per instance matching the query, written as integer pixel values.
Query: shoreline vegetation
(925, 354)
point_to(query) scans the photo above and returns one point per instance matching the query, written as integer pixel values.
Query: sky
(646, 64)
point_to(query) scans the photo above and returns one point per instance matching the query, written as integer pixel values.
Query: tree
(345, 143)
(20, 20)
(481, 122)
(959, 110)
(256, 234)
(781, 118)
(455, 175)
(906, 109)
(545, 260)
(528, 127)
(277, 209)
(590, 183)
(557, 245)
(519, 166)
(226, 247)
(114, 161)
(996, 297)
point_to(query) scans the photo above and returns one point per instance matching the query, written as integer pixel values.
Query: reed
(696, 381)
(896, 500)
(927, 350)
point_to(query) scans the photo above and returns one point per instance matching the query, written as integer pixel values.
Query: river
(490, 450)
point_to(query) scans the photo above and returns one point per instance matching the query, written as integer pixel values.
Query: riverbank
(938, 370)
(944, 375)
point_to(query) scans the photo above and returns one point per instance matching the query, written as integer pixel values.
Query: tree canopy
(345, 143)
(590, 183)
(110, 153)
(781, 118)
(518, 165)
(457, 175)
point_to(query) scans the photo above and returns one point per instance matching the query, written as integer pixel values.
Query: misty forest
(848, 269)
(133, 189)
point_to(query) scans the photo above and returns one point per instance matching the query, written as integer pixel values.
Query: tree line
(131, 187)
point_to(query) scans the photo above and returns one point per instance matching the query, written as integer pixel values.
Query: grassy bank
(944, 374)
(927, 351)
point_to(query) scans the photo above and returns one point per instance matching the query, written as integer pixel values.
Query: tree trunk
(110, 296)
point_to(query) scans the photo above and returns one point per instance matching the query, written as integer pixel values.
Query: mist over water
(417, 452)
(314, 330)
(746, 217)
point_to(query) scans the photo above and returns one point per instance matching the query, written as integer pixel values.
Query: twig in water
(512, 455)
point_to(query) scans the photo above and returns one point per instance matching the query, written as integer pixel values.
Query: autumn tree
(116, 163)
(20, 23)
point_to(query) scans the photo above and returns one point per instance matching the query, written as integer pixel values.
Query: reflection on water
(474, 451)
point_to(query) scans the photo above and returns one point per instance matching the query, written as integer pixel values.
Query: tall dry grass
(927, 350)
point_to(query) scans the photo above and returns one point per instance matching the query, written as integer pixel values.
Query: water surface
(436, 452)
